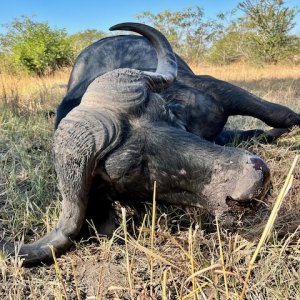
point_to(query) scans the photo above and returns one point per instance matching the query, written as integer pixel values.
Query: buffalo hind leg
(238, 101)
(232, 136)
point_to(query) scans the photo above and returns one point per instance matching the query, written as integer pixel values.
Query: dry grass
(186, 257)
(27, 93)
(238, 72)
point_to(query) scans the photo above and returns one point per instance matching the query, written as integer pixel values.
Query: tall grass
(179, 254)
(242, 72)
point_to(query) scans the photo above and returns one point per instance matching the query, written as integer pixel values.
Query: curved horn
(79, 144)
(166, 70)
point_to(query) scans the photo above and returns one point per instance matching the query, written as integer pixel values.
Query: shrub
(37, 47)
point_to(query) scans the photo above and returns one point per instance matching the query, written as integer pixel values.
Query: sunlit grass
(242, 72)
(178, 255)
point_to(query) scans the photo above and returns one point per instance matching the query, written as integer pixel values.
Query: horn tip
(121, 26)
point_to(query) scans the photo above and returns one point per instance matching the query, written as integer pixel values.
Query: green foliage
(227, 49)
(8, 64)
(270, 23)
(228, 43)
(260, 35)
(36, 47)
(83, 39)
(186, 30)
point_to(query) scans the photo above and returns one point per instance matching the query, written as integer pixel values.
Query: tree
(270, 23)
(230, 44)
(186, 30)
(82, 39)
(37, 47)
(227, 49)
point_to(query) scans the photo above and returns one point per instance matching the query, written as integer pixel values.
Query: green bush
(83, 39)
(270, 23)
(37, 47)
(186, 30)
(228, 49)
(8, 64)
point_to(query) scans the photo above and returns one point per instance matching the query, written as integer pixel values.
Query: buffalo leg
(237, 101)
(230, 136)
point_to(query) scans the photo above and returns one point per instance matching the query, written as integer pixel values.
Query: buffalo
(135, 113)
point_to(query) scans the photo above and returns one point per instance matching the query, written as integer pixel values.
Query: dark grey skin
(202, 103)
(122, 137)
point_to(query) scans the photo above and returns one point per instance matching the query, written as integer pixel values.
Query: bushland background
(256, 31)
(188, 259)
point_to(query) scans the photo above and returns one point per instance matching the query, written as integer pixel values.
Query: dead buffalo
(126, 122)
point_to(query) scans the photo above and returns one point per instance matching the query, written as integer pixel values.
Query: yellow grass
(33, 93)
(242, 72)
(25, 84)
(269, 226)
(189, 258)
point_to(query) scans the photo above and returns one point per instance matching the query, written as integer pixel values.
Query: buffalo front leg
(237, 101)
(227, 137)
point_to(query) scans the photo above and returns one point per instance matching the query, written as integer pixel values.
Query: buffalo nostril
(252, 183)
(262, 183)
(260, 166)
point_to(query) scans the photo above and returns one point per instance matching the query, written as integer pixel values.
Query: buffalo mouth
(237, 205)
(251, 203)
